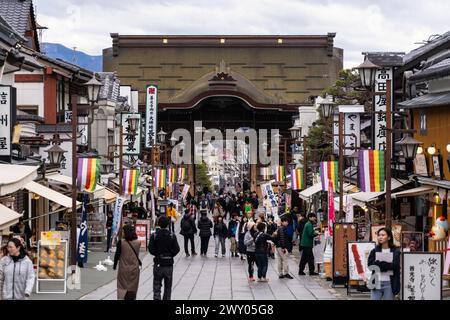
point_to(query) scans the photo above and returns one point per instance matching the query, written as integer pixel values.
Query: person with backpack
(188, 230)
(204, 225)
(261, 246)
(127, 257)
(232, 231)
(220, 234)
(164, 246)
(282, 240)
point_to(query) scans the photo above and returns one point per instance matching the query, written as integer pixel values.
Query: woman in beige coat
(127, 256)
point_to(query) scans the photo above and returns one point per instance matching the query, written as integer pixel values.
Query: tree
(201, 175)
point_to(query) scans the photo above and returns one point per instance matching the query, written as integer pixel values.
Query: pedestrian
(307, 243)
(164, 246)
(109, 224)
(203, 205)
(387, 258)
(270, 229)
(232, 231)
(16, 272)
(291, 227)
(188, 230)
(261, 246)
(300, 226)
(127, 257)
(249, 242)
(242, 229)
(282, 239)
(193, 209)
(220, 234)
(171, 213)
(204, 226)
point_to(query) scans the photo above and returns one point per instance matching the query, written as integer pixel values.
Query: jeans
(307, 258)
(186, 242)
(204, 241)
(159, 274)
(283, 262)
(108, 239)
(384, 293)
(251, 260)
(220, 241)
(262, 262)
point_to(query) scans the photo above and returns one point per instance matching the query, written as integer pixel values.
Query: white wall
(31, 94)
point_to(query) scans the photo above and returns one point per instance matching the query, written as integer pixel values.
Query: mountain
(58, 51)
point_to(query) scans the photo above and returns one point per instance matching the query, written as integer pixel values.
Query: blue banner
(82, 250)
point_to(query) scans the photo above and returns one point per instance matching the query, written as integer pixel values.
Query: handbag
(137, 256)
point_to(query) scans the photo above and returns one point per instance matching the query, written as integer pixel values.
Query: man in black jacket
(282, 242)
(164, 246)
(188, 230)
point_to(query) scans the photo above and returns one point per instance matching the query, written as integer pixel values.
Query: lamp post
(409, 147)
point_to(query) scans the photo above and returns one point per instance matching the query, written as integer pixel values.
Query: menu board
(358, 257)
(342, 233)
(52, 261)
(422, 276)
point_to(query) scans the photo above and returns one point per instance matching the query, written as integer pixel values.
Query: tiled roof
(8, 34)
(386, 59)
(435, 71)
(442, 40)
(49, 128)
(111, 86)
(16, 12)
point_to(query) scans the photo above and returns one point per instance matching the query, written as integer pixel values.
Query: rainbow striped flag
(371, 170)
(181, 174)
(279, 173)
(265, 173)
(87, 174)
(160, 178)
(329, 172)
(297, 181)
(130, 181)
(172, 175)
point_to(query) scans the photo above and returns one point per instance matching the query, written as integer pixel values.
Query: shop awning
(8, 217)
(14, 177)
(413, 192)
(98, 191)
(427, 100)
(109, 196)
(309, 192)
(364, 197)
(50, 194)
(433, 182)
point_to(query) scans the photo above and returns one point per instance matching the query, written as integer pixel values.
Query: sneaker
(194, 253)
(313, 274)
(215, 255)
(288, 276)
(259, 280)
(187, 254)
(281, 276)
(265, 280)
(301, 273)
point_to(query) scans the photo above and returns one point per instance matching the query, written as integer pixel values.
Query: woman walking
(204, 226)
(249, 242)
(387, 258)
(242, 229)
(261, 247)
(127, 256)
(16, 273)
(220, 235)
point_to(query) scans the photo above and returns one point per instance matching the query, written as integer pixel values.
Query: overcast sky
(361, 25)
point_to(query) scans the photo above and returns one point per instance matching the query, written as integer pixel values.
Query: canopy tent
(309, 192)
(413, 192)
(8, 217)
(109, 196)
(50, 194)
(14, 177)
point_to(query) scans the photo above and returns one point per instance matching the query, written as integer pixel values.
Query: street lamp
(326, 108)
(367, 71)
(431, 150)
(93, 89)
(133, 122)
(295, 131)
(162, 136)
(173, 141)
(409, 147)
(55, 154)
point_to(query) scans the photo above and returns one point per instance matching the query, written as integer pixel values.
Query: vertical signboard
(7, 120)
(150, 115)
(342, 234)
(336, 134)
(131, 139)
(352, 125)
(379, 132)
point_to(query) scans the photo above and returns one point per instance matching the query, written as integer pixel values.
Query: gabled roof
(386, 59)
(439, 43)
(435, 71)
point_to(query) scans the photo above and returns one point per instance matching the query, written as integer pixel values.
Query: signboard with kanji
(150, 115)
(7, 120)
(379, 132)
(131, 141)
(342, 234)
(352, 126)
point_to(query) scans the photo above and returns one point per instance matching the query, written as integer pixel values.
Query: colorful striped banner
(160, 178)
(172, 175)
(279, 173)
(329, 172)
(87, 174)
(297, 181)
(181, 174)
(371, 170)
(130, 181)
(265, 173)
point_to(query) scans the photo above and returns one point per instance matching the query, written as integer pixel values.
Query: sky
(360, 25)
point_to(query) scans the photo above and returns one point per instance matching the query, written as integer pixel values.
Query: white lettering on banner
(5, 121)
(131, 141)
(117, 217)
(68, 116)
(352, 126)
(379, 133)
(336, 134)
(267, 190)
(151, 115)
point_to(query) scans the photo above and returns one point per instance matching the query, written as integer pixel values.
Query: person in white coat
(16, 273)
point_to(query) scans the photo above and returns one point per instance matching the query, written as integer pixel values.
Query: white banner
(349, 216)
(185, 191)
(117, 217)
(5, 121)
(267, 190)
(131, 142)
(379, 133)
(151, 111)
(336, 134)
(352, 126)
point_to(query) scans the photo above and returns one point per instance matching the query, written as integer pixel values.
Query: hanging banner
(265, 173)
(266, 190)
(7, 120)
(336, 134)
(151, 112)
(379, 132)
(117, 217)
(130, 181)
(279, 173)
(371, 170)
(349, 216)
(172, 175)
(131, 139)
(297, 179)
(88, 171)
(329, 172)
(181, 175)
(331, 217)
(185, 191)
(160, 178)
(82, 251)
(352, 125)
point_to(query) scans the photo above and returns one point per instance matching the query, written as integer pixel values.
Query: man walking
(164, 246)
(282, 240)
(188, 230)
(307, 244)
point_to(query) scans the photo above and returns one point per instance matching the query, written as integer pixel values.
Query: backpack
(185, 225)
